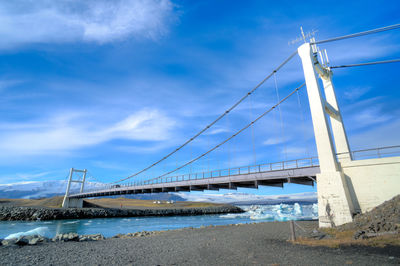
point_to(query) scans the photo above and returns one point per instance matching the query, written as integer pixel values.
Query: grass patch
(132, 203)
(56, 202)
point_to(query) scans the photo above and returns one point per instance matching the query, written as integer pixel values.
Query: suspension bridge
(347, 183)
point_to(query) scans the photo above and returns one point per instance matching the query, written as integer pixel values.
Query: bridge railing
(373, 153)
(380, 152)
(244, 170)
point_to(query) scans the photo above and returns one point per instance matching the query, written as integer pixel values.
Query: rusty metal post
(292, 232)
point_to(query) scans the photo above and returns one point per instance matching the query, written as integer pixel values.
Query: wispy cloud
(64, 133)
(273, 141)
(44, 21)
(367, 112)
(356, 92)
(8, 83)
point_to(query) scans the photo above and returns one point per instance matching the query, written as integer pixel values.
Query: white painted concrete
(335, 204)
(71, 202)
(373, 181)
(338, 130)
(323, 138)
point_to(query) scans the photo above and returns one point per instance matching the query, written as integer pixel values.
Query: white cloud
(69, 132)
(273, 141)
(374, 137)
(44, 21)
(364, 113)
(296, 152)
(355, 93)
(216, 130)
(8, 83)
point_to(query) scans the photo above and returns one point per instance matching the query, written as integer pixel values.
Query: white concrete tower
(74, 202)
(335, 204)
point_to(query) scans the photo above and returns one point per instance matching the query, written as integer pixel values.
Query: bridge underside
(303, 176)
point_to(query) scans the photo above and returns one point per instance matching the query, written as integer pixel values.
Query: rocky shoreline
(32, 240)
(243, 244)
(12, 213)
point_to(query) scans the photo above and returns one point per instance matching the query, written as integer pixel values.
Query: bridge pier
(69, 202)
(72, 203)
(345, 186)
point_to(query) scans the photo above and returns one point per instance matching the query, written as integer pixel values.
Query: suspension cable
(252, 131)
(280, 118)
(303, 125)
(369, 63)
(234, 135)
(377, 30)
(212, 123)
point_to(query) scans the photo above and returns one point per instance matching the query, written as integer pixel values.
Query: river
(112, 226)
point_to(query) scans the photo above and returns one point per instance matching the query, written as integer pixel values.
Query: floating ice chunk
(235, 215)
(37, 231)
(297, 209)
(315, 208)
(262, 217)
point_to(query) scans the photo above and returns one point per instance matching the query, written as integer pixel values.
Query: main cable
(369, 63)
(377, 30)
(231, 137)
(212, 123)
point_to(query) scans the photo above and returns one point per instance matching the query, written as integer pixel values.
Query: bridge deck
(302, 175)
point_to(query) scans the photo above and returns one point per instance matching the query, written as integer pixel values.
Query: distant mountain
(247, 198)
(45, 189)
(40, 189)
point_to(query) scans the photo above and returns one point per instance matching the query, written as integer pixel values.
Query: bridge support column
(335, 202)
(69, 202)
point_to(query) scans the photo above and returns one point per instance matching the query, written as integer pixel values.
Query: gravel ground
(259, 244)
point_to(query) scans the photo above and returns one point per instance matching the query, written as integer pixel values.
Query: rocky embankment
(382, 220)
(10, 213)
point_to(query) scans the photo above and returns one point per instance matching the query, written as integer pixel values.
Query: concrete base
(72, 203)
(372, 181)
(358, 188)
(334, 206)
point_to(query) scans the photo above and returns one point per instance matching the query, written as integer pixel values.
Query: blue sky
(112, 86)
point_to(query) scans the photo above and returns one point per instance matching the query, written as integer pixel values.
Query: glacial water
(112, 226)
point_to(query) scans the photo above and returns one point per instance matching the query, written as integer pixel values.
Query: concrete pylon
(69, 202)
(335, 206)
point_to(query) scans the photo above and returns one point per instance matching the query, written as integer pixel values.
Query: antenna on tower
(304, 36)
